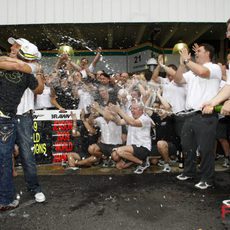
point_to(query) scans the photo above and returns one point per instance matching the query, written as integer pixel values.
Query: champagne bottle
(218, 108)
(181, 160)
(198, 158)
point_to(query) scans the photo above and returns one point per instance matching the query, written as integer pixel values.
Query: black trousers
(199, 131)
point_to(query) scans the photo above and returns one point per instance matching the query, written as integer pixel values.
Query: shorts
(172, 150)
(107, 149)
(84, 155)
(140, 152)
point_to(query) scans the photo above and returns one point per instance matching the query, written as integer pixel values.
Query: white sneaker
(167, 168)
(226, 163)
(203, 185)
(39, 197)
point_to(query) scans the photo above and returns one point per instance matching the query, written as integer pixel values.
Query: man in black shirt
(13, 84)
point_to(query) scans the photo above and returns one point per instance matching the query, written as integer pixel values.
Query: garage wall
(100, 11)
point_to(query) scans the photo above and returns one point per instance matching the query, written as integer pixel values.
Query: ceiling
(115, 35)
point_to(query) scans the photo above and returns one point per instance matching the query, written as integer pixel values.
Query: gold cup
(177, 47)
(65, 49)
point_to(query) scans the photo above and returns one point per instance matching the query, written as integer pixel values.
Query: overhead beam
(198, 34)
(50, 36)
(169, 36)
(4, 44)
(140, 34)
(110, 37)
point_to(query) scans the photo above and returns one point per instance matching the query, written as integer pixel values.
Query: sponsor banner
(42, 138)
(53, 135)
(51, 115)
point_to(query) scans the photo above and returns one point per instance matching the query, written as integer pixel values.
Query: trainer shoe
(226, 163)
(161, 163)
(141, 168)
(10, 206)
(203, 185)
(167, 168)
(39, 197)
(183, 177)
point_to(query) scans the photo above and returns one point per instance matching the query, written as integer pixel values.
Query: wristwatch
(186, 61)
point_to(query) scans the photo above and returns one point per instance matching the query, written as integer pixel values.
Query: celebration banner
(52, 135)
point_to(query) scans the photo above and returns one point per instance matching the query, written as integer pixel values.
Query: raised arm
(8, 63)
(128, 119)
(197, 69)
(104, 112)
(97, 57)
(156, 71)
(163, 101)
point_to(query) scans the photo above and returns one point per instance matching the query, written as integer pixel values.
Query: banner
(53, 135)
(51, 115)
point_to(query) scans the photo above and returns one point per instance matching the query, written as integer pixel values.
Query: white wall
(99, 11)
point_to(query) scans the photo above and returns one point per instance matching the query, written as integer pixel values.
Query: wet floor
(113, 201)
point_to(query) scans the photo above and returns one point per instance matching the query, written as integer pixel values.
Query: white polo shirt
(200, 90)
(174, 94)
(110, 131)
(140, 136)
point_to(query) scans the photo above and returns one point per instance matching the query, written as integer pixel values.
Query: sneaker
(112, 164)
(203, 185)
(161, 163)
(10, 206)
(173, 161)
(226, 163)
(105, 164)
(39, 197)
(141, 168)
(226, 202)
(147, 162)
(72, 168)
(167, 168)
(183, 177)
(218, 156)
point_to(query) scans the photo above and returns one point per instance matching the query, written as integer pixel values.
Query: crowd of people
(125, 119)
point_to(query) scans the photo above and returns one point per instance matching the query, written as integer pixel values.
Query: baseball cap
(19, 41)
(29, 51)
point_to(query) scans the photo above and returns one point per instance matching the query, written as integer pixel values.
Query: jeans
(7, 140)
(24, 140)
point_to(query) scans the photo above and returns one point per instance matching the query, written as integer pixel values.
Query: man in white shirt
(224, 94)
(138, 145)
(199, 131)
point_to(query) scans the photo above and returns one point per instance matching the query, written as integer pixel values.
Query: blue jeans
(24, 140)
(7, 140)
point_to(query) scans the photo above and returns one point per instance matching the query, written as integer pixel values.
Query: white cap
(19, 41)
(29, 51)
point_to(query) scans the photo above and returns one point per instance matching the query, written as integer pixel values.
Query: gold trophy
(66, 49)
(177, 47)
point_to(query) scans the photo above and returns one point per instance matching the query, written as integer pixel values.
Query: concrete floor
(58, 169)
(109, 199)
